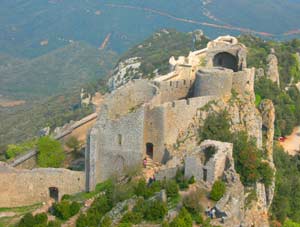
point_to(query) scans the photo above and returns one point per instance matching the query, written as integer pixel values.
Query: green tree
(50, 153)
(74, 144)
(289, 223)
(216, 127)
(218, 190)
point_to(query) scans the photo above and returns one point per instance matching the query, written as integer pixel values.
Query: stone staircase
(151, 167)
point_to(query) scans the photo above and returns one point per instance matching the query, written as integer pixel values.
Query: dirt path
(292, 144)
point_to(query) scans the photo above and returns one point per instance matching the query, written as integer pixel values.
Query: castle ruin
(144, 118)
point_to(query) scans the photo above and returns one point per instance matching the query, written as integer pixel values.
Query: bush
(54, 224)
(192, 202)
(50, 153)
(216, 127)
(125, 225)
(172, 189)
(106, 222)
(192, 180)
(66, 197)
(64, 210)
(266, 173)
(184, 219)
(38, 220)
(181, 181)
(14, 150)
(82, 221)
(289, 223)
(155, 211)
(41, 218)
(218, 190)
(27, 221)
(132, 217)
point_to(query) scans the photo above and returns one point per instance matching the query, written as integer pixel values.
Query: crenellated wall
(174, 89)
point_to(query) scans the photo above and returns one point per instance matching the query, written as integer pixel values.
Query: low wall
(26, 187)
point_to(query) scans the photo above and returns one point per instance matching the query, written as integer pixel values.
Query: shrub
(216, 127)
(41, 218)
(218, 190)
(266, 173)
(106, 222)
(64, 210)
(29, 220)
(192, 180)
(192, 202)
(50, 153)
(172, 188)
(155, 211)
(74, 208)
(54, 224)
(132, 217)
(289, 223)
(66, 197)
(181, 181)
(14, 150)
(184, 219)
(82, 221)
(125, 225)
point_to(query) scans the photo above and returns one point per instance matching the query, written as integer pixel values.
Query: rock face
(272, 68)
(268, 118)
(125, 71)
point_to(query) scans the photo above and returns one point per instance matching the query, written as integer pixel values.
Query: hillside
(30, 28)
(272, 16)
(151, 57)
(63, 69)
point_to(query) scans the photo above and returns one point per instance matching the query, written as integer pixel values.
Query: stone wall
(215, 166)
(129, 97)
(243, 81)
(178, 115)
(153, 131)
(213, 81)
(26, 187)
(115, 146)
(174, 89)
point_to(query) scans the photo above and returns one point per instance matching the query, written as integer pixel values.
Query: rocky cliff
(272, 68)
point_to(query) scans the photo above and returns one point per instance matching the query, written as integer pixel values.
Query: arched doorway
(226, 60)
(53, 193)
(149, 150)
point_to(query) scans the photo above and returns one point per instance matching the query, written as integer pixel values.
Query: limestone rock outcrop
(272, 68)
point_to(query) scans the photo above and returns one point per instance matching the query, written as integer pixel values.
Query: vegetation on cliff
(286, 203)
(156, 51)
(286, 98)
(247, 157)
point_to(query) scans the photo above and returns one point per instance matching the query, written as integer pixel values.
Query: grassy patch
(24, 209)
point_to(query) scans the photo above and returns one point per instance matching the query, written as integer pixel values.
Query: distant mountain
(63, 69)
